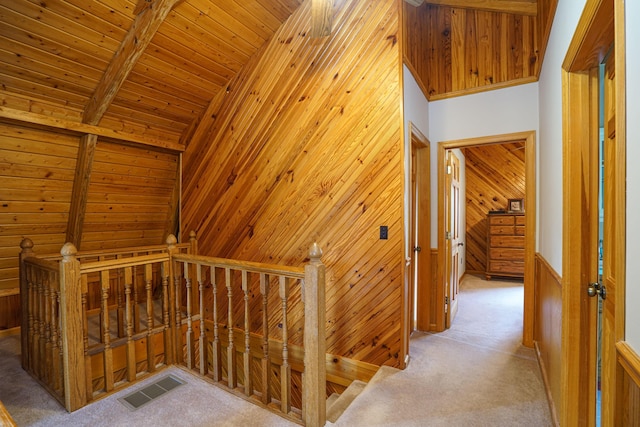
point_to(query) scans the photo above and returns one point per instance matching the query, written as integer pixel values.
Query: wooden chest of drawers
(505, 245)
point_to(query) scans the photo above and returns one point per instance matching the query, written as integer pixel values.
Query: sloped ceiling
(146, 67)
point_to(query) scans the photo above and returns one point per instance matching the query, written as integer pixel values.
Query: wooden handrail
(112, 264)
(64, 296)
(252, 267)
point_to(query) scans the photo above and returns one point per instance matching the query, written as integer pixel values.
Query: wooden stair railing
(252, 357)
(95, 322)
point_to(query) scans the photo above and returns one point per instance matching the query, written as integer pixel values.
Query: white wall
(495, 112)
(416, 111)
(550, 135)
(633, 175)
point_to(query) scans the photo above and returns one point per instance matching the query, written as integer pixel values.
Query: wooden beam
(84, 165)
(11, 114)
(321, 18)
(133, 45)
(517, 7)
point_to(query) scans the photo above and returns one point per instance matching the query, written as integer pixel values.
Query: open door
(445, 256)
(582, 286)
(420, 238)
(453, 237)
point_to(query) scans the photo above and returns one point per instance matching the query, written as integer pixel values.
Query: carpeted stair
(338, 403)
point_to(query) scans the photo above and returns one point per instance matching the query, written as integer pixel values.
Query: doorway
(420, 231)
(593, 39)
(443, 284)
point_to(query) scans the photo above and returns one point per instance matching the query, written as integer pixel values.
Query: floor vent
(139, 398)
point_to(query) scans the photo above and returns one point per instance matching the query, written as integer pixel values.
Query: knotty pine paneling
(548, 329)
(306, 146)
(36, 171)
(495, 173)
(457, 51)
(129, 201)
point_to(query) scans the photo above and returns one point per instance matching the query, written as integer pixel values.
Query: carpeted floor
(474, 374)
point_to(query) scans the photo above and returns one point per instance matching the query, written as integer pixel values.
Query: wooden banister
(315, 378)
(26, 251)
(58, 291)
(71, 329)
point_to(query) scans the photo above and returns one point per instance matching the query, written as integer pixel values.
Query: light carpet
(474, 374)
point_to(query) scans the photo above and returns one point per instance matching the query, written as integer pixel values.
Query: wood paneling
(454, 51)
(548, 330)
(627, 410)
(306, 146)
(65, 51)
(494, 173)
(129, 200)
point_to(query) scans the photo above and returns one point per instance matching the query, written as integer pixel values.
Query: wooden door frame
(420, 145)
(529, 137)
(595, 33)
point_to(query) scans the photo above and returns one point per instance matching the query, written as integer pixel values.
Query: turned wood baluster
(106, 335)
(136, 299)
(248, 383)
(203, 337)
(215, 346)
(28, 348)
(120, 302)
(179, 350)
(266, 359)
(26, 251)
(168, 338)
(232, 377)
(129, 282)
(190, 335)
(151, 355)
(39, 324)
(85, 338)
(55, 340)
(285, 369)
(47, 330)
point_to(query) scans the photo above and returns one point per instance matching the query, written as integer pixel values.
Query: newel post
(194, 243)
(315, 376)
(171, 352)
(27, 251)
(72, 329)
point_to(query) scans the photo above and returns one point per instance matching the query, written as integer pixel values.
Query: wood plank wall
(130, 199)
(454, 51)
(548, 330)
(307, 146)
(627, 411)
(495, 173)
(466, 49)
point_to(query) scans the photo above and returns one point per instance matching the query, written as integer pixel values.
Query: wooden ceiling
(146, 70)
(458, 47)
(144, 67)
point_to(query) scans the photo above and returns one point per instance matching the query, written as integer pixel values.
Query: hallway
(475, 374)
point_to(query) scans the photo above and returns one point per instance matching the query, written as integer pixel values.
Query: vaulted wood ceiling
(146, 70)
(144, 67)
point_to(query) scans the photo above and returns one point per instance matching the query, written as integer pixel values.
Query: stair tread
(344, 400)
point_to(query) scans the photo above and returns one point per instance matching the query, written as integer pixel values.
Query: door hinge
(446, 300)
(447, 235)
(448, 169)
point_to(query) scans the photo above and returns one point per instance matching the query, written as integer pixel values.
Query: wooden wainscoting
(548, 329)
(628, 373)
